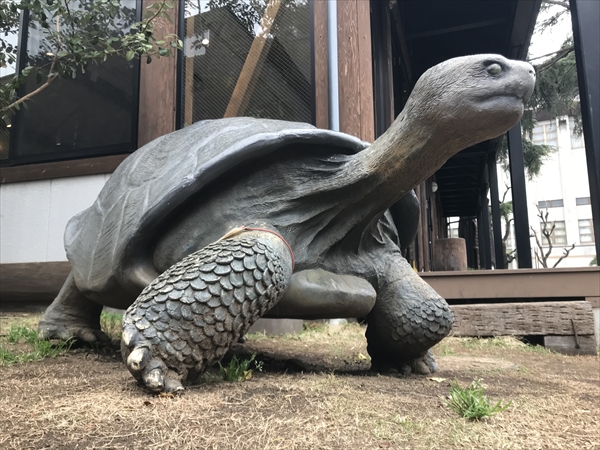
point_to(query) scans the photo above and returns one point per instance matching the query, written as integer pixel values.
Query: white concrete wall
(33, 216)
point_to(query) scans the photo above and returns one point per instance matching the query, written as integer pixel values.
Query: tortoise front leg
(187, 318)
(72, 315)
(408, 319)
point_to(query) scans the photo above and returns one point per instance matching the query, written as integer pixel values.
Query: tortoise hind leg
(186, 319)
(72, 314)
(408, 319)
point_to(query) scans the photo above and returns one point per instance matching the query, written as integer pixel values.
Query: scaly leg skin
(408, 319)
(72, 315)
(187, 318)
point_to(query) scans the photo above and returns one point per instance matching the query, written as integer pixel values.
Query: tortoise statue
(225, 221)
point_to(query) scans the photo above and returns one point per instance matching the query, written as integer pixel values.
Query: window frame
(66, 156)
(553, 235)
(591, 233)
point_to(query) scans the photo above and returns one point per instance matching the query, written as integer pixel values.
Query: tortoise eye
(494, 69)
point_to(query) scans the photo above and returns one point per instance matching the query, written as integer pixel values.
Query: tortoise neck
(400, 159)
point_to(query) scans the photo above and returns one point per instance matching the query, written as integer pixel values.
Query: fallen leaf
(439, 380)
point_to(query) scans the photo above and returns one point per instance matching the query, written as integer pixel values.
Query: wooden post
(188, 117)
(450, 254)
(321, 54)
(357, 115)
(251, 70)
(157, 90)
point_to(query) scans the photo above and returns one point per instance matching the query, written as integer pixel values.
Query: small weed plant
(471, 403)
(38, 348)
(239, 369)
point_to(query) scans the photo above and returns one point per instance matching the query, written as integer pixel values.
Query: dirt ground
(314, 393)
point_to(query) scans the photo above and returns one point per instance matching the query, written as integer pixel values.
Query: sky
(551, 40)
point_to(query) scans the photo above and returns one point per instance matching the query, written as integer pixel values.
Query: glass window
(93, 114)
(247, 58)
(586, 231)
(7, 73)
(583, 201)
(551, 203)
(558, 235)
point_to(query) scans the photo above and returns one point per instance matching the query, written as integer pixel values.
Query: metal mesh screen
(247, 58)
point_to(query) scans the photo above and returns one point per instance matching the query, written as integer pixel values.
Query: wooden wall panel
(158, 90)
(355, 69)
(321, 72)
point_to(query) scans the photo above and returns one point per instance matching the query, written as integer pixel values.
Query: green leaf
(129, 55)
(163, 51)
(148, 59)
(62, 54)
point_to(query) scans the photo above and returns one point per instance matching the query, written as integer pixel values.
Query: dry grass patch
(89, 400)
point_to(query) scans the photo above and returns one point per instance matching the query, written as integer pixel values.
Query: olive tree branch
(49, 79)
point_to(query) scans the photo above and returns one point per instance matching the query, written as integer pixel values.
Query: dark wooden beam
(483, 231)
(519, 196)
(586, 35)
(467, 26)
(525, 16)
(61, 169)
(401, 38)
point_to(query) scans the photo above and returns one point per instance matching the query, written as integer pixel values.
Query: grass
(239, 369)
(471, 403)
(111, 324)
(491, 343)
(93, 402)
(33, 348)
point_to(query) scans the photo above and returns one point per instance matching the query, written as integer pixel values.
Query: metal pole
(332, 64)
(586, 36)
(519, 196)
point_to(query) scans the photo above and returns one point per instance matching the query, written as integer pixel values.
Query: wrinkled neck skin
(374, 179)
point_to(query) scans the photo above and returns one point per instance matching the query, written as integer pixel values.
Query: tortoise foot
(422, 365)
(64, 330)
(72, 315)
(188, 317)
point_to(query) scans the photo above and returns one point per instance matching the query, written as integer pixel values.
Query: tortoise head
(471, 98)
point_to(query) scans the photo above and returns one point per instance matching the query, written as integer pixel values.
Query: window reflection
(90, 115)
(247, 58)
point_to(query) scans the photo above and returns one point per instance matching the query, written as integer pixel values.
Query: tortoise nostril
(532, 72)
